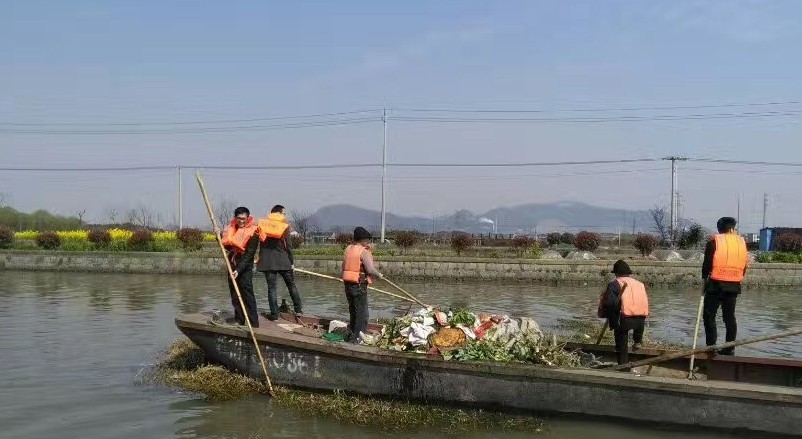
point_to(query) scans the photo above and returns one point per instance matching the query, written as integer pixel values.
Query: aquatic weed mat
(584, 330)
(183, 366)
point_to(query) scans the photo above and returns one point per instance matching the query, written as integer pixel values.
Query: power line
(196, 122)
(201, 167)
(599, 110)
(649, 118)
(497, 165)
(747, 162)
(351, 121)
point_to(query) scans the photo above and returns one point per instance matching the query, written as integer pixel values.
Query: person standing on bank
(276, 258)
(723, 270)
(241, 241)
(358, 271)
(625, 304)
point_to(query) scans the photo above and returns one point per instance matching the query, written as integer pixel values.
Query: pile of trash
(461, 335)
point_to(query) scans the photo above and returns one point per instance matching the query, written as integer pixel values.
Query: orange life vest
(729, 260)
(634, 300)
(273, 226)
(237, 238)
(352, 264)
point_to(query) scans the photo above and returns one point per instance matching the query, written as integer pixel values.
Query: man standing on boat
(625, 304)
(241, 241)
(358, 271)
(723, 270)
(276, 258)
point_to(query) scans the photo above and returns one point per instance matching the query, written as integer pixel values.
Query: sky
(120, 83)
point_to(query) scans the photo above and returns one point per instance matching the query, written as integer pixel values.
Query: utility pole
(738, 215)
(633, 226)
(765, 206)
(673, 228)
(180, 202)
(384, 174)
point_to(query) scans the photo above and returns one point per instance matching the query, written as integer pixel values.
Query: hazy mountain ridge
(546, 217)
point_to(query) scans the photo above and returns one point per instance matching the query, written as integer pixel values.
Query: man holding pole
(625, 304)
(241, 241)
(358, 271)
(723, 270)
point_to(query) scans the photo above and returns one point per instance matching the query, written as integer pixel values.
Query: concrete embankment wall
(568, 271)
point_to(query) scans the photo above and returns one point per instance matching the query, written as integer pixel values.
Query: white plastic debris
(335, 324)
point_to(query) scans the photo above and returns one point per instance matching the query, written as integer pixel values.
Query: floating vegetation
(586, 331)
(394, 415)
(182, 365)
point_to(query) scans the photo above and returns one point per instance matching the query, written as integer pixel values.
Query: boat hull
(304, 362)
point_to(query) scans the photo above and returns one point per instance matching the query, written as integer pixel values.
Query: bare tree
(661, 226)
(80, 214)
(303, 222)
(2, 199)
(224, 210)
(142, 216)
(112, 215)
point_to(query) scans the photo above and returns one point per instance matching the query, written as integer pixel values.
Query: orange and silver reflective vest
(730, 259)
(352, 264)
(273, 227)
(634, 300)
(237, 238)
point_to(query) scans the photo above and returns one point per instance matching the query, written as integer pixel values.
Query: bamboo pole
(415, 299)
(601, 332)
(732, 344)
(325, 276)
(234, 281)
(696, 329)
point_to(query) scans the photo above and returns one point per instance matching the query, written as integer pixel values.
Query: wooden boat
(758, 395)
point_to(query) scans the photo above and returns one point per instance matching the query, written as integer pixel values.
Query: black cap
(621, 268)
(360, 233)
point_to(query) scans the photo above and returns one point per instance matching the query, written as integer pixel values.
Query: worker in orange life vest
(358, 271)
(241, 240)
(276, 258)
(625, 304)
(723, 269)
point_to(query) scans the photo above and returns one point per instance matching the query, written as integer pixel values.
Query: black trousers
(621, 329)
(289, 281)
(357, 295)
(725, 300)
(245, 284)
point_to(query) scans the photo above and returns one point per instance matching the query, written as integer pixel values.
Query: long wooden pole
(732, 344)
(234, 281)
(696, 329)
(601, 332)
(415, 299)
(325, 276)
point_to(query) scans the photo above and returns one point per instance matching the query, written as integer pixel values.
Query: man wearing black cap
(625, 304)
(723, 270)
(358, 271)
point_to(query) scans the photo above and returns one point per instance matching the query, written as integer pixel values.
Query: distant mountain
(547, 217)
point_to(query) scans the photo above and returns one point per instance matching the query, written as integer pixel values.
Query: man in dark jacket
(241, 241)
(723, 269)
(276, 258)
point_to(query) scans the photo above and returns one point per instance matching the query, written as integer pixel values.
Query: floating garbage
(461, 335)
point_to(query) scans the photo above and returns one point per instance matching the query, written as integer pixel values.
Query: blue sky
(102, 62)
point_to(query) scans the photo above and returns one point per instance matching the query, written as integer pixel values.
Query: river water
(72, 346)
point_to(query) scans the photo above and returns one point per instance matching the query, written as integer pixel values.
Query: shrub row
(189, 239)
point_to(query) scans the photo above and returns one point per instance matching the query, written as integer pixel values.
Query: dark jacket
(244, 261)
(276, 254)
(610, 302)
(716, 286)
